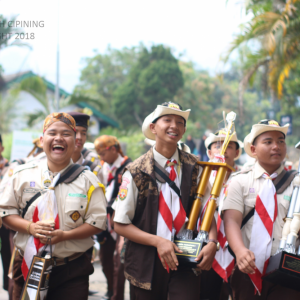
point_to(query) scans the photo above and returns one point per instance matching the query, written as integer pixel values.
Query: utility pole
(57, 63)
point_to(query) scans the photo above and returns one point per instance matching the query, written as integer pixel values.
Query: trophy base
(191, 249)
(284, 269)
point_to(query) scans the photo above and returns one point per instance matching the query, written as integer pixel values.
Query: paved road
(97, 283)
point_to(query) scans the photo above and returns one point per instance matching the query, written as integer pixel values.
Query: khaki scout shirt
(125, 209)
(242, 192)
(83, 195)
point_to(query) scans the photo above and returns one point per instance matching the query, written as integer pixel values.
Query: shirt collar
(45, 167)
(259, 170)
(80, 160)
(161, 160)
(118, 162)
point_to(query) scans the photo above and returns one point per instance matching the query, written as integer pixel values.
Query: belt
(62, 261)
(59, 261)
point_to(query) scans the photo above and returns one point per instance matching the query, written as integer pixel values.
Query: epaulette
(25, 167)
(243, 171)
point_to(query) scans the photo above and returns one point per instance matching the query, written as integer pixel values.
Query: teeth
(174, 134)
(58, 146)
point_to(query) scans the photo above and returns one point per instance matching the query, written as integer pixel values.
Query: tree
(7, 34)
(274, 32)
(154, 79)
(104, 73)
(8, 102)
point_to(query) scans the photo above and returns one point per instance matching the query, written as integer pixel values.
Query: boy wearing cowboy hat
(253, 201)
(149, 213)
(212, 280)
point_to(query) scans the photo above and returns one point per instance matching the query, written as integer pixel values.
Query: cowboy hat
(219, 137)
(258, 129)
(167, 108)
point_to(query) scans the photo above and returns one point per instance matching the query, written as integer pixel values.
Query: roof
(15, 78)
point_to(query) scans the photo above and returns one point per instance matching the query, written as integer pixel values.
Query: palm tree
(274, 32)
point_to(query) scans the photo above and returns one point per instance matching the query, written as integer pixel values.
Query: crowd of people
(68, 195)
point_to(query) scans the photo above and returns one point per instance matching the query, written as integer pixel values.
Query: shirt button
(273, 239)
(94, 223)
(4, 212)
(81, 206)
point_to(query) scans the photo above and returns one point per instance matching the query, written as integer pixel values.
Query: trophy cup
(284, 266)
(184, 241)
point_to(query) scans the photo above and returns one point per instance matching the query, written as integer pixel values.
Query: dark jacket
(139, 259)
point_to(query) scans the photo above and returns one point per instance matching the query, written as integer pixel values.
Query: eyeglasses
(269, 122)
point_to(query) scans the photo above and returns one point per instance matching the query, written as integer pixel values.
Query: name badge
(286, 197)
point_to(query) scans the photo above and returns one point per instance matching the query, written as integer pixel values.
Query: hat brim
(159, 112)
(259, 129)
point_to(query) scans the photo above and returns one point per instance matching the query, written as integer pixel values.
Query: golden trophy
(185, 242)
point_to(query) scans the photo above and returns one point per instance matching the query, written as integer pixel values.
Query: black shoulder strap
(68, 176)
(20, 161)
(171, 183)
(85, 152)
(90, 164)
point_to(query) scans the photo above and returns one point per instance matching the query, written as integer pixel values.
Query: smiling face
(168, 129)
(270, 149)
(109, 155)
(58, 143)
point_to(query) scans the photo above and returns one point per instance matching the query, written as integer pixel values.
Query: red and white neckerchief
(223, 262)
(110, 182)
(46, 210)
(171, 214)
(262, 231)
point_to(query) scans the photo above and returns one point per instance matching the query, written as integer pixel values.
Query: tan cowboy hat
(182, 146)
(258, 129)
(219, 137)
(168, 108)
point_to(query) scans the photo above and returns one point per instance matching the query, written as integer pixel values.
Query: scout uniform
(6, 234)
(212, 280)
(3, 162)
(242, 196)
(87, 158)
(138, 204)
(79, 201)
(111, 177)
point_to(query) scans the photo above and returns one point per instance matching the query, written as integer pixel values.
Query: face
(58, 143)
(230, 154)
(168, 129)
(80, 138)
(109, 155)
(269, 148)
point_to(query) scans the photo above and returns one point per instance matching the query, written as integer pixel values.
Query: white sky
(202, 29)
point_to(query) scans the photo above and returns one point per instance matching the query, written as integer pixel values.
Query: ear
(42, 141)
(210, 155)
(237, 152)
(253, 150)
(152, 128)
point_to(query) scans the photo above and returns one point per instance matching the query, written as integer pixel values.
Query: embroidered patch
(286, 197)
(47, 183)
(75, 216)
(10, 172)
(77, 195)
(32, 184)
(274, 123)
(123, 193)
(173, 105)
(252, 190)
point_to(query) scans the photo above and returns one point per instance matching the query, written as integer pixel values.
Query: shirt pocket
(28, 194)
(75, 211)
(283, 207)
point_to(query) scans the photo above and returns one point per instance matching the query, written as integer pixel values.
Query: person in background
(110, 152)
(202, 149)
(190, 142)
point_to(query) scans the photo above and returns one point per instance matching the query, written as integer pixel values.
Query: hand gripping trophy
(284, 266)
(191, 248)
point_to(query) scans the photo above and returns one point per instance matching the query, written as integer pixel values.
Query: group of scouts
(136, 215)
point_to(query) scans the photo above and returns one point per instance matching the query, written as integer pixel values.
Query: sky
(200, 29)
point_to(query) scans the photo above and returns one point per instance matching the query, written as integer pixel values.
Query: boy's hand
(165, 250)
(40, 229)
(245, 260)
(56, 237)
(207, 254)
